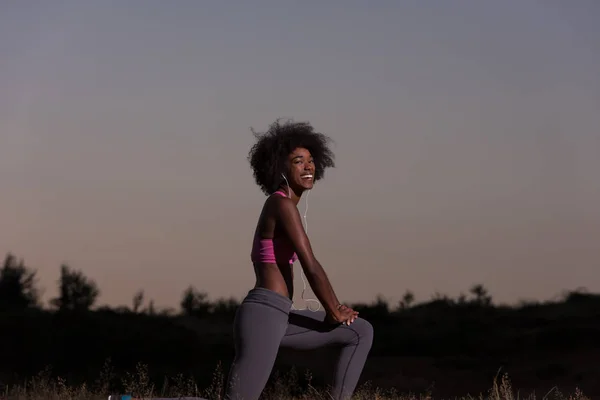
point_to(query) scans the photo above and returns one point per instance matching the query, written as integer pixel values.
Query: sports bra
(274, 251)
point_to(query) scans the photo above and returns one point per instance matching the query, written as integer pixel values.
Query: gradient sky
(467, 139)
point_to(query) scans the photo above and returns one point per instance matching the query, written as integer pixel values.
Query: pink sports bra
(274, 251)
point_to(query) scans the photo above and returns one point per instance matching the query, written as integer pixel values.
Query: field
(288, 387)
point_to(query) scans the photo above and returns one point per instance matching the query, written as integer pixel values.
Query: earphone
(302, 272)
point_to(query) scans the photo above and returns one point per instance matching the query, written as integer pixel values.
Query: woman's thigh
(258, 329)
(308, 330)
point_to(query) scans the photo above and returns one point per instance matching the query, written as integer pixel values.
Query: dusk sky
(467, 142)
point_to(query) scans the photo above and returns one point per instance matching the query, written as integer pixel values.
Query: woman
(286, 161)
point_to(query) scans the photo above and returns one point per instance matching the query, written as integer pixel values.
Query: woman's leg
(307, 330)
(260, 323)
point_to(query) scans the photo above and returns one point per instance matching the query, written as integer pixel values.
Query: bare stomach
(278, 278)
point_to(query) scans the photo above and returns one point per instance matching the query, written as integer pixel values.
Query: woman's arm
(289, 217)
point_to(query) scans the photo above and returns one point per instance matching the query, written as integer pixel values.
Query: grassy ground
(289, 387)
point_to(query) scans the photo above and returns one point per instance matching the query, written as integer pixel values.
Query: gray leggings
(265, 322)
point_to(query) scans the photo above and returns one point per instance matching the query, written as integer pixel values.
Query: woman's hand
(343, 315)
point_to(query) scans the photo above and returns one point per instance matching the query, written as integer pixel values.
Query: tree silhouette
(407, 299)
(195, 302)
(77, 292)
(481, 295)
(151, 310)
(138, 299)
(17, 285)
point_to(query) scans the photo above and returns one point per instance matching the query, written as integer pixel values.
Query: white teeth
(306, 176)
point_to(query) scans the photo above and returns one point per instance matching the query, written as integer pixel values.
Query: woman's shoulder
(275, 201)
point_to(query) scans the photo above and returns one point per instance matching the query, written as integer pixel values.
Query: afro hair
(268, 156)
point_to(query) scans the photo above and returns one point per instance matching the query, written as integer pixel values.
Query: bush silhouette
(77, 292)
(194, 302)
(17, 285)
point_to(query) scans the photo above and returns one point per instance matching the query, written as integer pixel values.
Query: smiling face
(301, 170)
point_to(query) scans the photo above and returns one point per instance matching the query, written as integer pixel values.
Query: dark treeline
(444, 345)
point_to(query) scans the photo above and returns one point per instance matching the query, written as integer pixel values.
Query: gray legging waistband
(269, 298)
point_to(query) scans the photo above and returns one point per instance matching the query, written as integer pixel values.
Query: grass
(288, 387)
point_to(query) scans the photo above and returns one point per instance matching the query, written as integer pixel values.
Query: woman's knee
(364, 330)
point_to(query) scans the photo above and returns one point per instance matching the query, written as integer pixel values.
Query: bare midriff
(275, 277)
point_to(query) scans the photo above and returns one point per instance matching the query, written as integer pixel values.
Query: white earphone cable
(301, 271)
